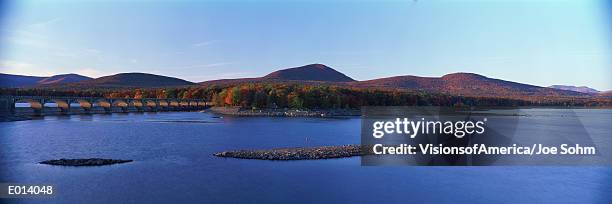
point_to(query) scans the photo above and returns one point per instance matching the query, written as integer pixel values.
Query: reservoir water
(173, 162)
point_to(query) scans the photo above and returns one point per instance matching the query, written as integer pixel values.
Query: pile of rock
(298, 153)
(84, 162)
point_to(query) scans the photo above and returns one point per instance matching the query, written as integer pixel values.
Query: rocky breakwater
(298, 153)
(84, 162)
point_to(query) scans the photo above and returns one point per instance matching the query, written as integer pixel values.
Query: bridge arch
(137, 104)
(163, 103)
(79, 105)
(174, 103)
(28, 106)
(34, 104)
(120, 103)
(63, 105)
(151, 103)
(104, 103)
(84, 104)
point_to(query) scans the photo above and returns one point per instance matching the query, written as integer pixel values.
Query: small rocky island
(298, 153)
(84, 162)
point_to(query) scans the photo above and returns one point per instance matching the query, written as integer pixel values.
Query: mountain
(466, 84)
(227, 82)
(63, 78)
(10, 80)
(307, 74)
(311, 72)
(581, 89)
(133, 80)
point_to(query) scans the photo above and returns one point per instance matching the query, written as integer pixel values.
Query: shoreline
(340, 113)
(285, 112)
(32, 116)
(13, 118)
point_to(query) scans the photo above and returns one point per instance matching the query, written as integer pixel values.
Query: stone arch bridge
(40, 105)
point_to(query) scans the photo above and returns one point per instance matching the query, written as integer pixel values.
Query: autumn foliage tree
(283, 95)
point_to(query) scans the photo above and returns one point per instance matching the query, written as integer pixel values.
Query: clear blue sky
(535, 42)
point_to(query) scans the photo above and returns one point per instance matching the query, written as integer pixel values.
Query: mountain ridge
(466, 84)
(581, 89)
(461, 83)
(310, 72)
(63, 78)
(134, 79)
(307, 74)
(13, 81)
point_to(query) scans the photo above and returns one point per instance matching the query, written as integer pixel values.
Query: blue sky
(535, 42)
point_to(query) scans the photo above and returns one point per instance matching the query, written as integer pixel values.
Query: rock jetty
(298, 153)
(84, 162)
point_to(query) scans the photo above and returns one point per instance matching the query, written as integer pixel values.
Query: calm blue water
(174, 163)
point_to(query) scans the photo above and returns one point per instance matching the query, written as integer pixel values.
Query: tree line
(256, 95)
